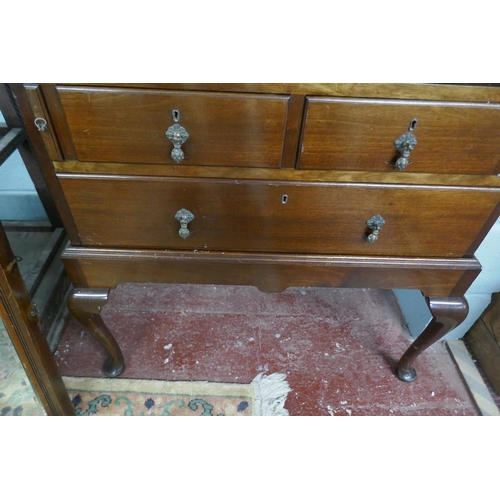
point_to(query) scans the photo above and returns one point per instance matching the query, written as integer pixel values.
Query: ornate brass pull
(375, 223)
(178, 135)
(184, 217)
(404, 145)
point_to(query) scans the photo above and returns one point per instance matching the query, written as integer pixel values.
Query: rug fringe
(270, 394)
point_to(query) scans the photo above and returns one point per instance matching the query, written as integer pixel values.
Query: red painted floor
(339, 348)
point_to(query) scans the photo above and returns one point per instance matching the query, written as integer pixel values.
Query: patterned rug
(265, 396)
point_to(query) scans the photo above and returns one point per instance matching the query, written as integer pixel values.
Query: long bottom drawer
(258, 216)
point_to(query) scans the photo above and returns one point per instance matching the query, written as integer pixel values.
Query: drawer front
(350, 134)
(109, 125)
(251, 216)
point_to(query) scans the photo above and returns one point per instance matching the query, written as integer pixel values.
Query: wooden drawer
(359, 134)
(110, 125)
(258, 216)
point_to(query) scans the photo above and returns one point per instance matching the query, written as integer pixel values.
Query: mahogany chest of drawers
(271, 185)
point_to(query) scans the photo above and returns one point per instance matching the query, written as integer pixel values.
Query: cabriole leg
(447, 313)
(85, 305)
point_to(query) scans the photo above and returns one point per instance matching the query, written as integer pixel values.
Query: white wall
(417, 313)
(18, 197)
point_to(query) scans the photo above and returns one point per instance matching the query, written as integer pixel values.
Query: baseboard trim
(475, 383)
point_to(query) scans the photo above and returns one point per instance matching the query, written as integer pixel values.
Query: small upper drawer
(356, 134)
(111, 125)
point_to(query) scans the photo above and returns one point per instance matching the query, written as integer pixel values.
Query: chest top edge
(422, 91)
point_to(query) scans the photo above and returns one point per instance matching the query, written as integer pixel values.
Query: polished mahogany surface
(224, 129)
(281, 179)
(359, 134)
(257, 216)
(106, 267)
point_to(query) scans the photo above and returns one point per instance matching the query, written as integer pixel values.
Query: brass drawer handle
(404, 145)
(178, 136)
(375, 223)
(184, 217)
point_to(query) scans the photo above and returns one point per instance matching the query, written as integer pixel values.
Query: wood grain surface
(425, 91)
(129, 126)
(356, 134)
(269, 272)
(229, 215)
